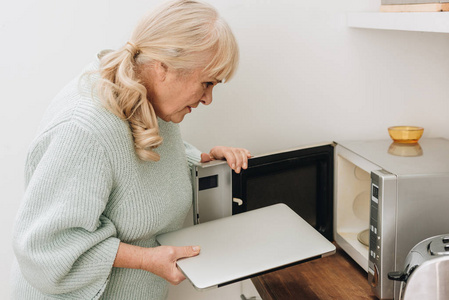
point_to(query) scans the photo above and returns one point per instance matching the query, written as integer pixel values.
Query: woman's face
(174, 95)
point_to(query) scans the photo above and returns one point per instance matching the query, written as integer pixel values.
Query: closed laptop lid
(246, 245)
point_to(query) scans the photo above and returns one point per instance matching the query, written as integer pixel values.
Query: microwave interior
(352, 209)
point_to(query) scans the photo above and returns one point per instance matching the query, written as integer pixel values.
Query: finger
(231, 159)
(205, 157)
(244, 159)
(188, 251)
(179, 277)
(238, 159)
(217, 152)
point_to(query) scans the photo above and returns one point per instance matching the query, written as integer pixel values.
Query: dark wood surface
(333, 277)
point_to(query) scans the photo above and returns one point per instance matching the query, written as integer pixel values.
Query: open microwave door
(245, 245)
(302, 178)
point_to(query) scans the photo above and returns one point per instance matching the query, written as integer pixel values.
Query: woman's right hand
(162, 261)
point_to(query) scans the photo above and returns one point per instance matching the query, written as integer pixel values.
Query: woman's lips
(190, 107)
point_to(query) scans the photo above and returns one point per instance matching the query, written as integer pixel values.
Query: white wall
(304, 77)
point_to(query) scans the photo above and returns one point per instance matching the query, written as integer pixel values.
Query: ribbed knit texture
(86, 190)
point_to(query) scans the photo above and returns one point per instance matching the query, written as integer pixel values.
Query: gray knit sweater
(86, 190)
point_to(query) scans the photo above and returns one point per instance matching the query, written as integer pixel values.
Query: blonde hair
(183, 35)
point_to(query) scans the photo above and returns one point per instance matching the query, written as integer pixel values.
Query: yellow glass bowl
(405, 134)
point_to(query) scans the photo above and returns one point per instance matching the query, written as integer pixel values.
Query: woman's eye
(208, 84)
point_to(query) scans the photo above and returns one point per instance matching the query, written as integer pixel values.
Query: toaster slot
(439, 247)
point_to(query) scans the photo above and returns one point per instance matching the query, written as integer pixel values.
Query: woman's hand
(160, 261)
(237, 158)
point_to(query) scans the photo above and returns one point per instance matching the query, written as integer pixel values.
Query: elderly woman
(108, 170)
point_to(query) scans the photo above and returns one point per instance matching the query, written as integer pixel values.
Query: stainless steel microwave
(396, 193)
(375, 199)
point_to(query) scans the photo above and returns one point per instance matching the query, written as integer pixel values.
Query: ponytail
(122, 93)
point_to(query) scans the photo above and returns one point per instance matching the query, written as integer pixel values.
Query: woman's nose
(207, 97)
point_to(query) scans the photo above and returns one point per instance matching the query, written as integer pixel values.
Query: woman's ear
(161, 70)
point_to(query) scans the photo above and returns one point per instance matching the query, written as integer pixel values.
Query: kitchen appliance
(342, 189)
(402, 200)
(426, 271)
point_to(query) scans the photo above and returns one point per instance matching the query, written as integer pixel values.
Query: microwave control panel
(374, 239)
(382, 224)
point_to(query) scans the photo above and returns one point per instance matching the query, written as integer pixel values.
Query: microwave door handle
(238, 201)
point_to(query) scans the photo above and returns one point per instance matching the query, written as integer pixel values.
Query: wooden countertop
(329, 278)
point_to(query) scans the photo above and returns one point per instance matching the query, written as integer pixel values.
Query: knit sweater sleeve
(63, 242)
(193, 154)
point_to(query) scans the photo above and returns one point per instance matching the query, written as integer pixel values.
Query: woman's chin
(177, 118)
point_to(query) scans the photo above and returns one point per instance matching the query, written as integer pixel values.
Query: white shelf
(413, 21)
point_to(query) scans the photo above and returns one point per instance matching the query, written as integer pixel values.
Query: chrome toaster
(426, 271)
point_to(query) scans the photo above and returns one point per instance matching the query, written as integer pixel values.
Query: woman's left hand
(237, 158)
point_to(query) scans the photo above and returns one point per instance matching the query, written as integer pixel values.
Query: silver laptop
(246, 245)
